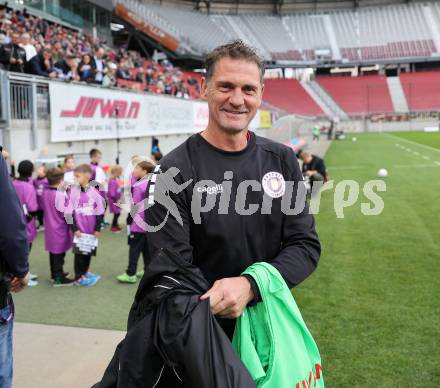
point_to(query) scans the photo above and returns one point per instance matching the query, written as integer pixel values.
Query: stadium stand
(359, 95)
(289, 95)
(350, 35)
(361, 34)
(422, 90)
(121, 67)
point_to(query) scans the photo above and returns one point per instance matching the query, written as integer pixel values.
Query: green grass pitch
(373, 305)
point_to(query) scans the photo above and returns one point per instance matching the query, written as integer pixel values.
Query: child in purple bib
(114, 195)
(40, 183)
(87, 215)
(28, 199)
(58, 236)
(137, 238)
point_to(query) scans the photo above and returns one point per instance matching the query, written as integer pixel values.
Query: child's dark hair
(146, 166)
(25, 169)
(55, 176)
(83, 169)
(67, 157)
(93, 152)
(157, 155)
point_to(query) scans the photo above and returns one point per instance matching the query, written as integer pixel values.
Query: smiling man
(231, 213)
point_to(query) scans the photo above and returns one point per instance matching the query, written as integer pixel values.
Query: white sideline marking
(413, 142)
(437, 165)
(416, 154)
(346, 167)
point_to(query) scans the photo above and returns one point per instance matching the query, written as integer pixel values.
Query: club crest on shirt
(274, 184)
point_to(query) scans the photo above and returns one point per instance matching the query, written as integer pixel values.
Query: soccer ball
(382, 173)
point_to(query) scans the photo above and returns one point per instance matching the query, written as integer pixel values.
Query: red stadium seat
(359, 95)
(289, 95)
(422, 90)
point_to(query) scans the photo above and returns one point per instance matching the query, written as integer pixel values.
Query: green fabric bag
(272, 339)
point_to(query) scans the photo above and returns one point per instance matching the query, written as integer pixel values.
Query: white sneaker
(32, 283)
(32, 276)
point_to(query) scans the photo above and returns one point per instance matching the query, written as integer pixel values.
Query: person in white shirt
(69, 166)
(98, 59)
(28, 47)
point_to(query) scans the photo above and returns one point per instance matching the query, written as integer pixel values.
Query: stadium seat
(290, 96)
(422, 90)
(359, 95)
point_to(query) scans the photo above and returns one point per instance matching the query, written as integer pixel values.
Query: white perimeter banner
(80, 112)
(90, 113)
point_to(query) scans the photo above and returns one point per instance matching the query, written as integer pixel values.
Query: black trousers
(56, 261)
(40, 217)
(81, 264)
(137, 244)
(115, 220)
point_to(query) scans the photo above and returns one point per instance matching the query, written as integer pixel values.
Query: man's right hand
(19, 284)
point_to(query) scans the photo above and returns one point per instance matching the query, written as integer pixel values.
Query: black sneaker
(66, 275)
(63, 282)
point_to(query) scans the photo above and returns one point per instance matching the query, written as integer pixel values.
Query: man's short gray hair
(236, 49)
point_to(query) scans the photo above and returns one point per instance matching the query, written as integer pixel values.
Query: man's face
(234, 94)
(25, 39)
(72, 63)
(15, 38)
(100, 53)
(306, 158)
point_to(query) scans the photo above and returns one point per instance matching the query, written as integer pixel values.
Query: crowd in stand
(30, 44)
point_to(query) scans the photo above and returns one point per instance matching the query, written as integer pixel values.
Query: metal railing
(25, 97)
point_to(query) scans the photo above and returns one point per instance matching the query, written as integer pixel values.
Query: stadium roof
(273, 6)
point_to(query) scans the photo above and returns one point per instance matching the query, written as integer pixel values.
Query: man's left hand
(19, 284)
(229, 297)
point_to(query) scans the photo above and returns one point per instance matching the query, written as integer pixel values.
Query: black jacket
(87, 76)
(61, 66)
(169, 327)
(9, 51)
(14, 248)
(222, 242)
(37, 66)
(316, 164)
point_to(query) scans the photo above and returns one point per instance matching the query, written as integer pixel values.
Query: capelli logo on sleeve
(210, 189)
